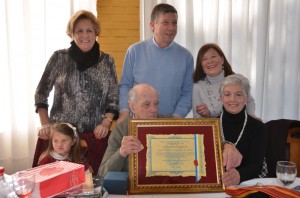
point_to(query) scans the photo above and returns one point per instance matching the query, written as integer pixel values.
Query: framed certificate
(179, 156)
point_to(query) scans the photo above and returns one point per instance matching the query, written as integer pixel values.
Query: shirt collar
(160, 47)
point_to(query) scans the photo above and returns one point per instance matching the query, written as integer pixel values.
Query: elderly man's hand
(129, 145)
(231, 177)
(232, 158)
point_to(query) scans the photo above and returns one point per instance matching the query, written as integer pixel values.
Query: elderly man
(143, 103)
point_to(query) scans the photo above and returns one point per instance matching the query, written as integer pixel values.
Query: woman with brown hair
(211, 68)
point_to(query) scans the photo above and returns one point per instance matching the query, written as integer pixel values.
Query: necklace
(213, 99)
(241, 133)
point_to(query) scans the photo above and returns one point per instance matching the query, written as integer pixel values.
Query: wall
(120, 27)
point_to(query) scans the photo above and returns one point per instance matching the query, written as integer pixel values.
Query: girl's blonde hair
(70, 130)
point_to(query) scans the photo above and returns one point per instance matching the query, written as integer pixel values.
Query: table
(263, 181)
(198, 195)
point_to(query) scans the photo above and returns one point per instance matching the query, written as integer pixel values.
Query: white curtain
(260, 38)
(30, 31)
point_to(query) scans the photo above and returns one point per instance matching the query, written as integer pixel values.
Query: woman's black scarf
(84, 60)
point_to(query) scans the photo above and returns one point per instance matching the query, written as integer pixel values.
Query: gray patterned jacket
(80, 97)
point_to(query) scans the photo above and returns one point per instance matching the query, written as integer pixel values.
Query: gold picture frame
(179, 156)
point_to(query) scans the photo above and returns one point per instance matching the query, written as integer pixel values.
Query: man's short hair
(133, 92)
(162, 8)
(132, 96)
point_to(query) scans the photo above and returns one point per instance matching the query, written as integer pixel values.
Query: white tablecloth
(263, 181)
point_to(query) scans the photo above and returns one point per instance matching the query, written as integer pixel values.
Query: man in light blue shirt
(162, 63)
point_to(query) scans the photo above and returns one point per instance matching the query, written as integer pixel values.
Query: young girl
(64, 144)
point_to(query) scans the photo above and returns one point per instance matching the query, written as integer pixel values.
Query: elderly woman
(211, 68)
(85, 87)
(243, 131)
